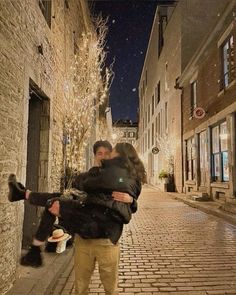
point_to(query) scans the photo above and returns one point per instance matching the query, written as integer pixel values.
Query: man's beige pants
(87, 252)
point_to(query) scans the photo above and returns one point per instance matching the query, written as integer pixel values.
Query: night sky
(129, 25)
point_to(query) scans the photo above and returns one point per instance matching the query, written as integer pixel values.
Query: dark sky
(129, 27)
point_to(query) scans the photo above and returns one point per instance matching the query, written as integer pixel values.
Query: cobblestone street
(170, 248)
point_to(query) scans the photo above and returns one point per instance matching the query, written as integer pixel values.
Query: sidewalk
(209, 207)
(39, 281)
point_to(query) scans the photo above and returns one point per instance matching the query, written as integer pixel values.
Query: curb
(209, 207)
(40, 281)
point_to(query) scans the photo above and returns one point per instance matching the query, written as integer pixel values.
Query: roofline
(175, 4)
(144, 64)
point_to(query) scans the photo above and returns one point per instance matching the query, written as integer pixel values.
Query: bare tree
(91, 84)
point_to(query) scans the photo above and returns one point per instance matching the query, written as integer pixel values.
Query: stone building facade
(159, 118)
(209, 113)
(37, 45)
(177, 31)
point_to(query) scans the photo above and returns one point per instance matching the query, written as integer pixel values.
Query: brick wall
(23, 29)
(209, 96)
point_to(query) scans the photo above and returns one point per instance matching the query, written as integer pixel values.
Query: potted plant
(163, 175)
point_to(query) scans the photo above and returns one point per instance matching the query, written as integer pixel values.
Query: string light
(88, 90)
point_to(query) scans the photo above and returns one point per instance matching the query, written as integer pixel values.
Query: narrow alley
(170, 248)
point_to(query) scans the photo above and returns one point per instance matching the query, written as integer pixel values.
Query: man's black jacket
(97, 215)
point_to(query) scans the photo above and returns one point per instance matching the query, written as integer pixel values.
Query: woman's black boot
(33, 257)
(16, 189)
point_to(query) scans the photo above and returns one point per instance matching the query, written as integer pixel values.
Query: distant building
(125, 131)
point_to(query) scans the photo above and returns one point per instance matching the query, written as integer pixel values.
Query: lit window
(190, 159)
(227, 57)
(220, 165)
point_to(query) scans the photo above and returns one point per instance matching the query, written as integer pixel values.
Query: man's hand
(122, 197)
(55, 208)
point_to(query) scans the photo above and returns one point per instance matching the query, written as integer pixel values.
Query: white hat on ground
(59, 235)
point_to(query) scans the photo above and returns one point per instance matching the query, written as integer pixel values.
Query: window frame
(229, 62)
(218, 155)
(190, 159)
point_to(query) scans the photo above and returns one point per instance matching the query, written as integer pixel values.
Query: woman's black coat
(97, 215)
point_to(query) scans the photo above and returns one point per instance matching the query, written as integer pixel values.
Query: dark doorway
(37, 156)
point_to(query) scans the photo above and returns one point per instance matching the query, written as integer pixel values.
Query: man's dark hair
(101, 143)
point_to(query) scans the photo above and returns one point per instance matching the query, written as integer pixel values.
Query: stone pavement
(171, 248)
(168, 248)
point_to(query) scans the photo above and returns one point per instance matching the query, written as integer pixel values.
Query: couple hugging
(101, 202)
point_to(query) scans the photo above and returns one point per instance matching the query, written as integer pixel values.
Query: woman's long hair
(133, 163)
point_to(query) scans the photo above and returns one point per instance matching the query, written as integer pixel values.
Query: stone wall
(23, 29)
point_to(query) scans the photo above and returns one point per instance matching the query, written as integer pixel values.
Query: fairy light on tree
(116, 136)
(91, 83)
(166, 145)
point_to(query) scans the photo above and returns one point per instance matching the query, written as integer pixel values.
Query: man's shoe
(32, 258)
(16, 189)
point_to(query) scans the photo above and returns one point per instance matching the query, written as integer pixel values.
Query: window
(46, 8)
(161, 27)
(166, 77)
(166, 117)
(131, 134)
(152, 134)
(227, 58)
(158, 93)
(148, 138)
(220, 165)
(193, 96)
(145, 141)
(159, 124)
(156, 126)
(203, 158)
(162, 123)
(190, 159)
(152, 105)
(149, 113)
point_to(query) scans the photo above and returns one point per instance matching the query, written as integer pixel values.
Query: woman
(95, 215)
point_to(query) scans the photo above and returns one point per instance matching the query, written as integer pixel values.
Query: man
(88, 251)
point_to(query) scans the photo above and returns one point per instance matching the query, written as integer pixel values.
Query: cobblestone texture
(170, 248)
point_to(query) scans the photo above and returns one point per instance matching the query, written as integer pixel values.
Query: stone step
(198, 196)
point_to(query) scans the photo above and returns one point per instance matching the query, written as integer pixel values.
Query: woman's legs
(40, 199)
(45, 226)
(33, 256)
(18, 192)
